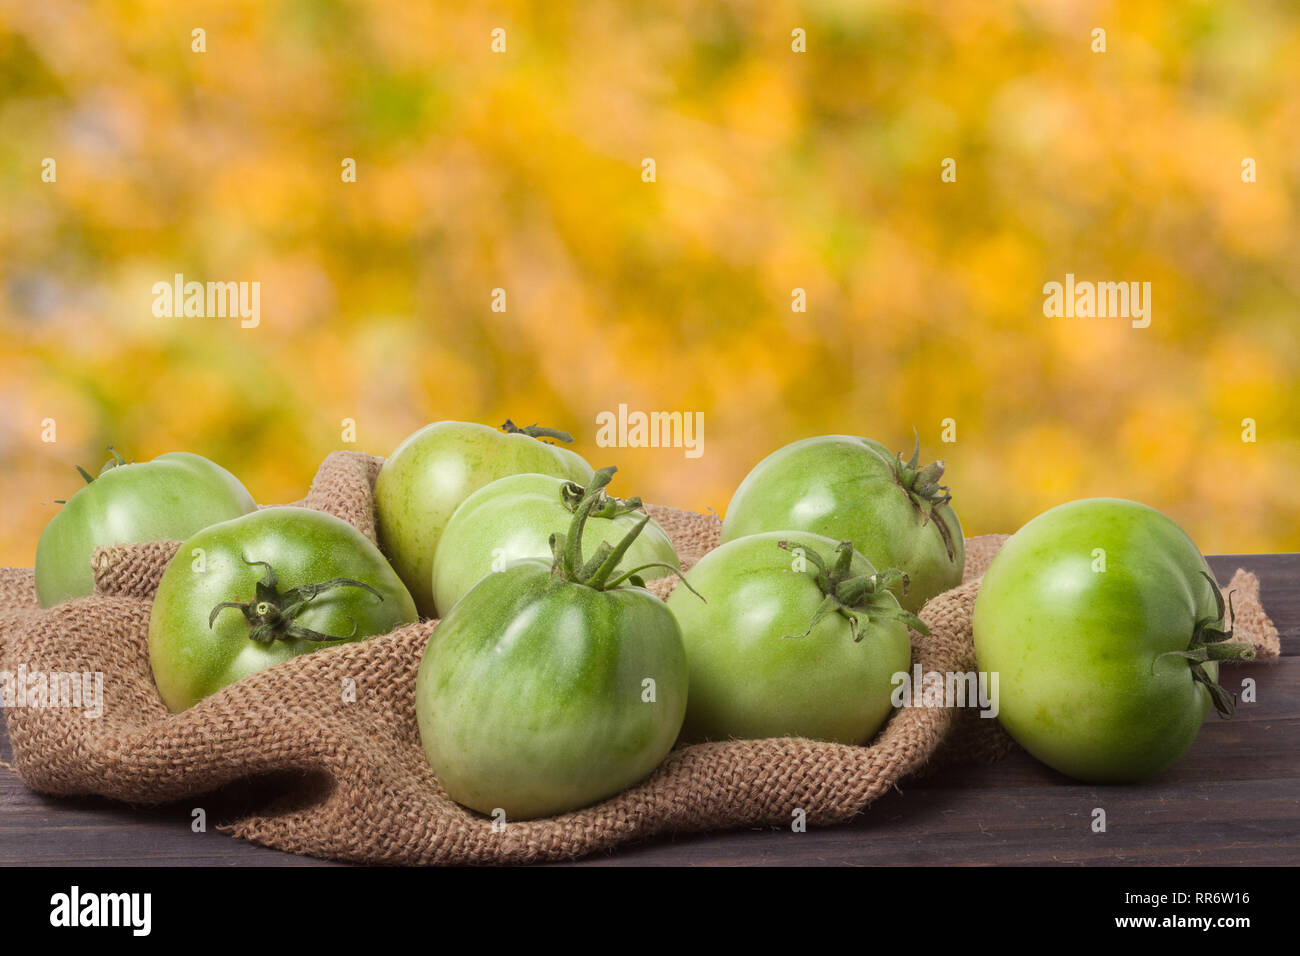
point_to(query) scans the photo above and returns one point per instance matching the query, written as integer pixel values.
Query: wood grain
(1234, 799)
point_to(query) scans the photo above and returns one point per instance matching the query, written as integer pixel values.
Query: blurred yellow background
(775, 170)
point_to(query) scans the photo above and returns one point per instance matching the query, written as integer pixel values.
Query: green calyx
(598, 571)
(272, 616)
(926, 494)
(537, 431)
(89, 478)
(851, 595)
(1212, 642)
(113, 462)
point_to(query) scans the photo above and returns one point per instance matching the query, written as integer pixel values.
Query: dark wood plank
(1231, 800)
(90, 831)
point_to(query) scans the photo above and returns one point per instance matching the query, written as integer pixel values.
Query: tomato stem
(572, 494)
(598, 571)
(536, 431)
(568, 548)
(273, 614)
(1212, 642)
(851, 595)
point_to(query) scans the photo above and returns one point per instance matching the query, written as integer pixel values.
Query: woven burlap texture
(367, 794)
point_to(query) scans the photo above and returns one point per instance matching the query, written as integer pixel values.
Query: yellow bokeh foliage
(775, 171)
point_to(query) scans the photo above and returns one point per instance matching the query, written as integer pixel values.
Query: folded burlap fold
(366, 793)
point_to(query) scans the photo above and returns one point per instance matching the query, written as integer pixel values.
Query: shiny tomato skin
(1082, 683)
(432, 471)
(844, 487)
(532, 696)
(192, 660)
(513, 518)
(751, 679)
(168, 498)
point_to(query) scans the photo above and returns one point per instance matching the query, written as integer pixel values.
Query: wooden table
(1233, 799)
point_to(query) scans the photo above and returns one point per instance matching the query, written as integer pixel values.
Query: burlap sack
(366, 793)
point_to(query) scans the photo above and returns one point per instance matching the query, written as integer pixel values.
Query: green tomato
(1103, 623)
(168, 498)
(513, 518)
(790, 642)
(245, 594)
(430, 473)
(853, 489)
(548, 686)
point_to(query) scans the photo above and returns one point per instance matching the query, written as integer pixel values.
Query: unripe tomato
(168, 498)
(1105, 627)
(894, 512)
(550, 686)
(799, 638)
(245, 594)
(434, 470)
